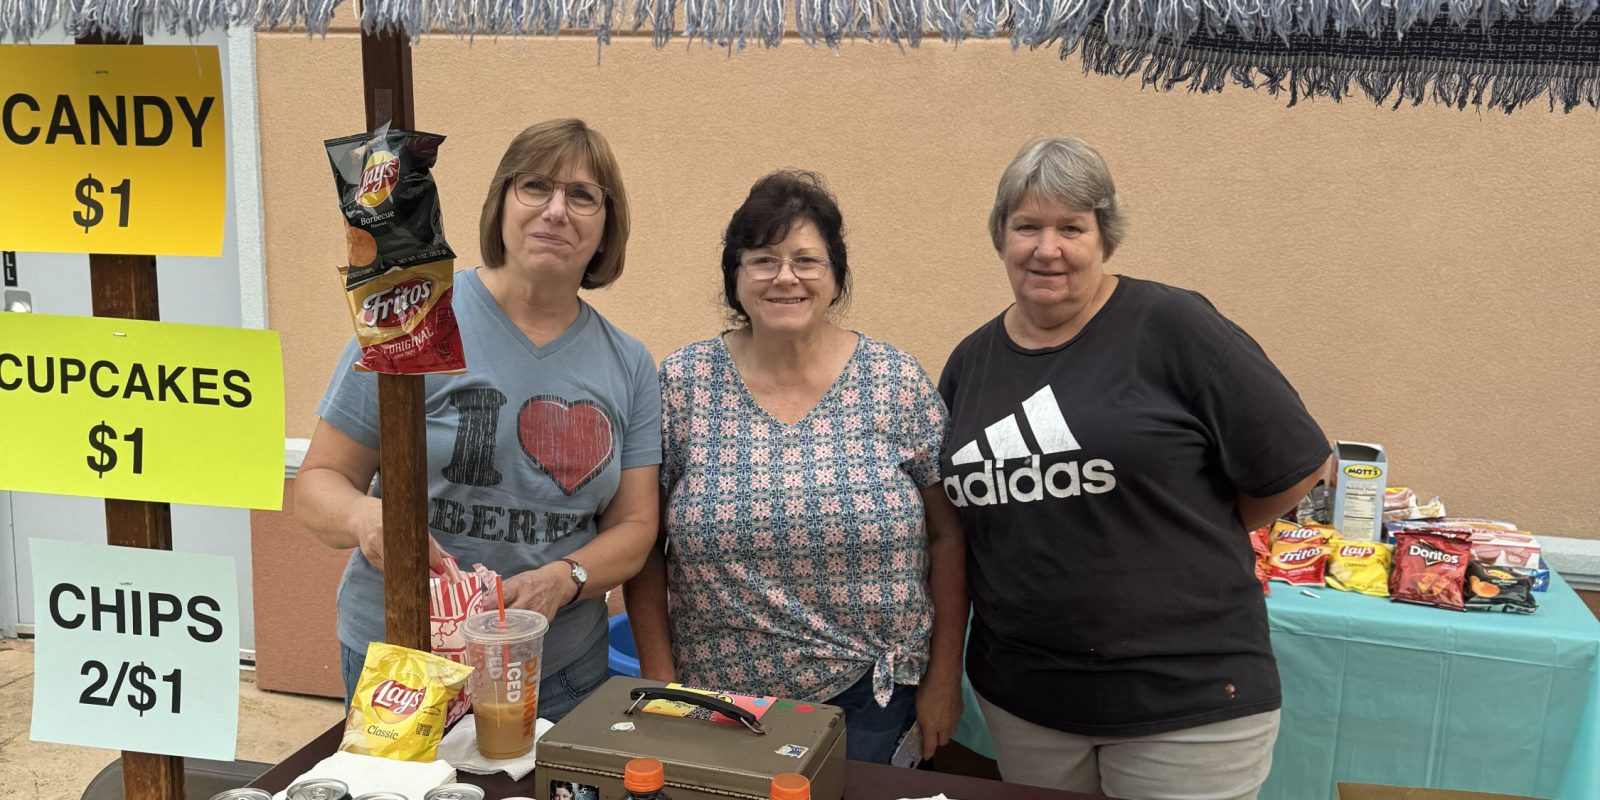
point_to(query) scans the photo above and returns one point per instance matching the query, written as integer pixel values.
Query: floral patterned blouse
(797, 556)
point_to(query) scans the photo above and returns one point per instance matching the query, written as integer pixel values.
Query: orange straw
(500, 597)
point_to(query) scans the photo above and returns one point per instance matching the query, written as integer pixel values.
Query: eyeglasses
(765, 268)
(534, 191)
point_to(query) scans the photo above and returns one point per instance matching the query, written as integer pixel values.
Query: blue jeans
(558, 693)
(872, 733)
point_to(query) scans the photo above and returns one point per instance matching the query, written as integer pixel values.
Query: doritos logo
(378, 178)
(1432, 556)
(398, 699)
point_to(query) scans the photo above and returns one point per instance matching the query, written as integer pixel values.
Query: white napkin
(460, 748)
(365, 774)
(939, 796)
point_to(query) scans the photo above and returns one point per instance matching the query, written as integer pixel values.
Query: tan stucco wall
(1425, 277)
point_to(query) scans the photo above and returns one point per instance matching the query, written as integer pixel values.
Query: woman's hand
(938, 710)
(544, 590)
(369, 536)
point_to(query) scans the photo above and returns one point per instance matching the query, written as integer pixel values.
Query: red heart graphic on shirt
(571, 442)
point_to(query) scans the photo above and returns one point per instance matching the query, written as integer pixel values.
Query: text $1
(92, 210)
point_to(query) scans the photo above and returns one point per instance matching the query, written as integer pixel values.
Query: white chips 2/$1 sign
(112, 149)
(135, 649)
(140, 410)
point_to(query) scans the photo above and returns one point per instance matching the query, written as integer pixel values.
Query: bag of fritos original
(1359, 567)
(398, 710)
(399, 270)
(1299, 553)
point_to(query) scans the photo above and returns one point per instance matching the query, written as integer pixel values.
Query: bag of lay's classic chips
(399, 706)
(1359, 567)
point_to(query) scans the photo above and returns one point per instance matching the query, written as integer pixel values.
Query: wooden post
(403, 447)
(125, 286)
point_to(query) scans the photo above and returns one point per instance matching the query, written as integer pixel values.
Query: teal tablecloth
(1380, 692)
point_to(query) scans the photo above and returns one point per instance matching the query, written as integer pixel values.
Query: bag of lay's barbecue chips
(400, 272)
(1359, 567)
(398, 710)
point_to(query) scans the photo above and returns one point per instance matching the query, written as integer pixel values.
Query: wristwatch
(580, 576)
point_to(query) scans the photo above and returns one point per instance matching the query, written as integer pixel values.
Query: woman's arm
(939, 694)
(1259, 511)
(646, 598)
(625, 532)
(331, 500)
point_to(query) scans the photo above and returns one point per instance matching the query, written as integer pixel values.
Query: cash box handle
(704, 701)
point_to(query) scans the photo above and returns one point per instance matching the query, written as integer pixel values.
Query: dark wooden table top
(863, 781)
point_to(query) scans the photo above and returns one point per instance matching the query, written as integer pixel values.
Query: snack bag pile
(401, 272)
(398, 710)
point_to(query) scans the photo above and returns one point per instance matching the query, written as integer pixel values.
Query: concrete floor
(271, 726)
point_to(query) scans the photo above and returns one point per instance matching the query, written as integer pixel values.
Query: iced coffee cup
(505, 655)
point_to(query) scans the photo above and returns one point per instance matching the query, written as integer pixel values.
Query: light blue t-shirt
(525, 450)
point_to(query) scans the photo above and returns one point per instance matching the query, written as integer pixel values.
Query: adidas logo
(994, 484)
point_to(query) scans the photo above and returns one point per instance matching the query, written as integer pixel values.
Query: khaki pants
(1220, 761)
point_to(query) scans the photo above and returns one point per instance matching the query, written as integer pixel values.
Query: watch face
(579, 572)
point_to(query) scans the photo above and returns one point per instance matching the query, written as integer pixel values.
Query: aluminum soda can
(243, 794)
(319, 789)
(382, 796)
(454, 791)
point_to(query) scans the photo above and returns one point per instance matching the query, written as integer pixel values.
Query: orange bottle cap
(644, 775)
(790, 786)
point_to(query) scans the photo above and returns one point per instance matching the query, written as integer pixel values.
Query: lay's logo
(1363, 472)
(396, 698)
(1357, 551)
(378, 178)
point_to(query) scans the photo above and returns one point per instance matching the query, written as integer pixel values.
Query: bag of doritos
(1430, 568)
(398, 710)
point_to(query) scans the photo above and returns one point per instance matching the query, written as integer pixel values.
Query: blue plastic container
(624, 659)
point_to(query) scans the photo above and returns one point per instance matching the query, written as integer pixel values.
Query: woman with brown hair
(543, 456)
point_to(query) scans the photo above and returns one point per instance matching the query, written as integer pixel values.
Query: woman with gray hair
(1111, 441)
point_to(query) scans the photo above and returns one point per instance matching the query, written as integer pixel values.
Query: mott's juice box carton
(1359, 491)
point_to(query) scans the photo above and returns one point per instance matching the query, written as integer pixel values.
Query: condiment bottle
(790, 786)
(644, 778)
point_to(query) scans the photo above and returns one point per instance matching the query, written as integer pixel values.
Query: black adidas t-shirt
(1111, 578)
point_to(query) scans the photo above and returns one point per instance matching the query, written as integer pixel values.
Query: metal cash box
(703, 759)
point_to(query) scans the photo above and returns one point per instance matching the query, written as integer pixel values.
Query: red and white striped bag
(453, 596)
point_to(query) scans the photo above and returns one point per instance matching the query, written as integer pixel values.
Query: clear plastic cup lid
(520, 624)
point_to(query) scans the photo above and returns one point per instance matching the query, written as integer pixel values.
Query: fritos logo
(394, 701)
(395, 305)
(1299, 556)
(1300, 535)
(1357, 551)
(378, 178)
